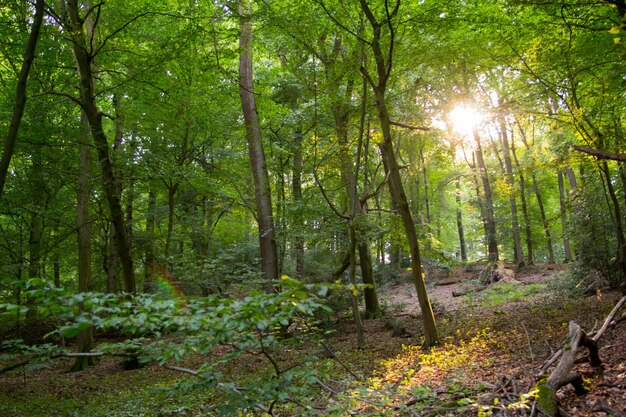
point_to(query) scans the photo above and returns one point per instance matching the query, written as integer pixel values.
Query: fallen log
(562, 374)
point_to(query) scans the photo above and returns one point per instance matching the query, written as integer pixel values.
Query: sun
(464, 119)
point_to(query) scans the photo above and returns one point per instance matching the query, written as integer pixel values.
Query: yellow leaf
(615, 30)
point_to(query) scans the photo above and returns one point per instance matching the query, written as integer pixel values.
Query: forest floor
(493, 343)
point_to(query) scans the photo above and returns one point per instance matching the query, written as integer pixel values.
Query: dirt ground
(402, 298)
(607, 386)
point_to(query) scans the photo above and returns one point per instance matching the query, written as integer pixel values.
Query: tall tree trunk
(20, 94)
(427, 222)
(517, 240)
(396, 188)
(617, 217)
(296, 189)
(459, 218)
(262, 191)
(542, 211)
(544, 219)
(85, 337)
(526, 217)
(566, 245)
(112, 261)
(573, 184)
(84, 60)
(352, 277)
(490, 220)
(150, 259)
(37, 192)
(171, 194)
(480, 201)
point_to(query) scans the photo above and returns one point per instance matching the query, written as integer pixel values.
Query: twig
(221, 385)
(62, 355)
(330, 352)
(532, 356)
(609, 322)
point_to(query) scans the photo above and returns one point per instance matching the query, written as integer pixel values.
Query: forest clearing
(312, 207)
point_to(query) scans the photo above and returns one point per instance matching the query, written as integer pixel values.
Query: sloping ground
(493, 343)
(526, 321)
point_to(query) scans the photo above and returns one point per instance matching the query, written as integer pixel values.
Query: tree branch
(423, 128)
(599, 154)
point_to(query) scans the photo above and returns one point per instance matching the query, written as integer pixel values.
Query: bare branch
(422, 128)
(600, 154)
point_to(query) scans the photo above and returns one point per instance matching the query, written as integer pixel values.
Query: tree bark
(296, 190)
(20, 94)
(459, 219)
(617, 218)
(171, 194)
(427, 222)
(564, 227)
(85, 338)
(526, 217)
(262, 191)
(490, 220)
(84, 59)
(150, 259)
(544, 219)
(542, 211)
(396, 188)
(517, 240)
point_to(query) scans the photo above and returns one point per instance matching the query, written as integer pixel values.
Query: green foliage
(595, 240)
(253, 325)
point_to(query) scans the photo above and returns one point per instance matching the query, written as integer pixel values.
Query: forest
(312, 208)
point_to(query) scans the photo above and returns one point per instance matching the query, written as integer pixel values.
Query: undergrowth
(391, 377)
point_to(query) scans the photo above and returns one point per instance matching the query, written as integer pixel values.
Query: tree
(517, 241)
(383, 66)
(20, 94)
(84, 56)
(262, 192)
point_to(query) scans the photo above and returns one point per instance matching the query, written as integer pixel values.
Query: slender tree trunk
(526, 217)
(280, 225)
(36, 226)
(490, 220)
(171, 194)
(148, 284)
(396, 188)
(262, 191)
(84, 61)
(573, 184)
(427, 223)
(480, 201)
(459, 218)
(85, 337)
(296, 189)
(617, 217)
(56, 257)
(544, 219)
(355, 298)
(20, 94)
(542, 212)
(517, 240)
(566, 245)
